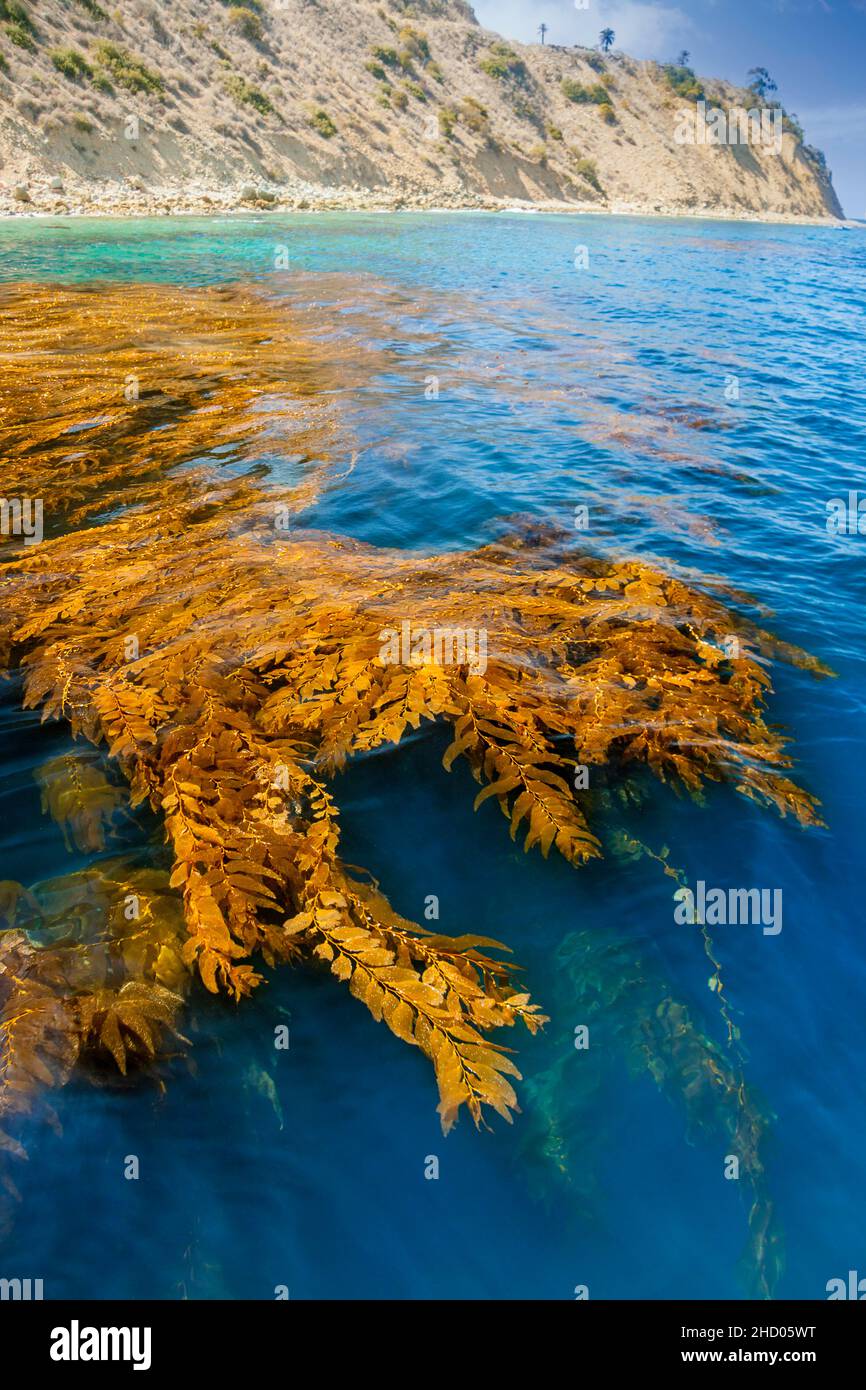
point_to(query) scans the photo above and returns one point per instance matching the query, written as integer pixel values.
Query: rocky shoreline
(132, 198)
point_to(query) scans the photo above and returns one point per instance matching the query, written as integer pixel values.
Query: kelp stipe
(633, 1015)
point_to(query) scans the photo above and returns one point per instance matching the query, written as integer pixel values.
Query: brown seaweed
(231, 663)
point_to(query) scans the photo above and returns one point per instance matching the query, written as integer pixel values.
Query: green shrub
(503, 62)
(102, 84)
(793, 126)
(247, 23)
(576, 91)
(415, 90)
(82, 124)
(415, 44)
(22, 38)
(71, 63)
(399, 99)
(683, 81)
(607, 113)
(245, 94)
(554, 132)
(447, 118)
(434, 71)
(376, 69)
(473, 115)
(587, 170)
(389, 56)
(321, 121)
(128, 71)
(16, 14)
(93, 9)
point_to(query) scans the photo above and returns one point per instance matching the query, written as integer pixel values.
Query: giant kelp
(231, 663)
(103, 392)
(85, 981)
(635, 1018)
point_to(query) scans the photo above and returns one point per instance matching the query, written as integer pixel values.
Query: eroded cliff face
(357, 103)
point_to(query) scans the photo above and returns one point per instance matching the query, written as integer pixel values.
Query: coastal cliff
(202, 105)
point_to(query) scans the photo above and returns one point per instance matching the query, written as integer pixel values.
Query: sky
(814, 49)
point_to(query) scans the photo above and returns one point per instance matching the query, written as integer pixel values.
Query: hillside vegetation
(356, 103)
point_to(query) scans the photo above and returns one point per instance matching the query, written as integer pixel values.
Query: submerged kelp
(232, 664)
(91, 973)
(634, 1018)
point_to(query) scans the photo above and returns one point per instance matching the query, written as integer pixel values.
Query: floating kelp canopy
(231, 663)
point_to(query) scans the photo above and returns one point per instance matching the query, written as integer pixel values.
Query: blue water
(607, 386)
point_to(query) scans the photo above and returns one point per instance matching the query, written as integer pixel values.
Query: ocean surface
(699, 387)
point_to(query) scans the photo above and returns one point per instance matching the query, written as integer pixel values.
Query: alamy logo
(21, 516)
(697, 125)
(854, 1287)
(76, 1343)
(846, 516)
(438, 646)
(715, 907)
(22, 1290)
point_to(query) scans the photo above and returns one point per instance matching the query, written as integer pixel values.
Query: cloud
(834, 122)
(643, 30)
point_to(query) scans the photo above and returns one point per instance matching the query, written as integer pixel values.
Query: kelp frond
(80, 798)
(232, 667)
(90, 972)
(105, 390)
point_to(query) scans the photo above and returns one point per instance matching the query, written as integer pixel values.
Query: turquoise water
(607, 386)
